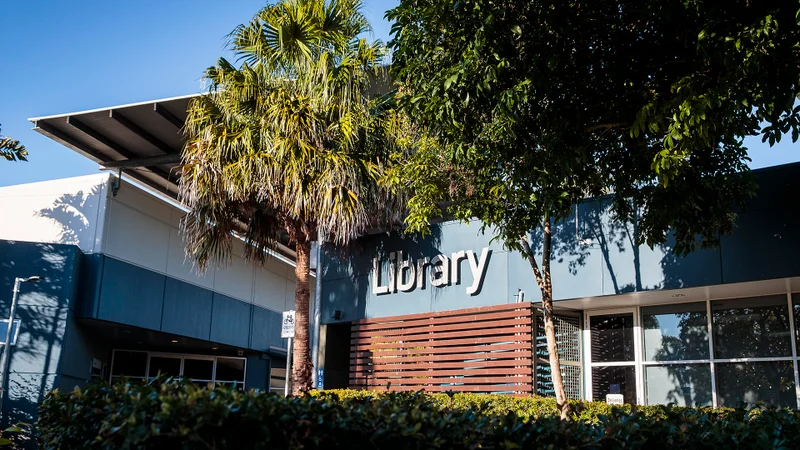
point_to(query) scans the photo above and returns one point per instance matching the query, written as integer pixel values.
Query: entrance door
(612, 354)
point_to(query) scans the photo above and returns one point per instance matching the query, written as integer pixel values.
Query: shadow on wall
(43, 311)
(76, 214)
(353, 264)
(593, 232)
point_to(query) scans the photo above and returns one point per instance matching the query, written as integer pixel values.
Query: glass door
(611, 352)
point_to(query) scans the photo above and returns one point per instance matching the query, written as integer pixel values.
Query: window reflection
(679, 384)
(614, 380)
(751, 327)
(612, 338)
(675, 332)
(750, 384)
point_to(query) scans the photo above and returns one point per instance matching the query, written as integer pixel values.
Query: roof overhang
(141, 140)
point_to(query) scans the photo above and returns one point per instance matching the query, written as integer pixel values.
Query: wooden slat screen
(485, 349)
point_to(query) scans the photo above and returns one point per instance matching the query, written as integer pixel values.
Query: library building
(453, 311)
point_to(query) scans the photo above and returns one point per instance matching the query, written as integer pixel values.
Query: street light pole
(7, 348)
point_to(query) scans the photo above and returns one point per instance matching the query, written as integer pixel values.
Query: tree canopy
(526, 108)
(12, 150)
(543, 104)
(289, 143)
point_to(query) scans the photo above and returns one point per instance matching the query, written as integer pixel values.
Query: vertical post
(7, 348)
(288, 385)
(316, 314)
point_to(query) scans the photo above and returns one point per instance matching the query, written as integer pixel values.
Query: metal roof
(142, 140)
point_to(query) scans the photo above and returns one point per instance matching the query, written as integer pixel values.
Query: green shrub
(182, 416)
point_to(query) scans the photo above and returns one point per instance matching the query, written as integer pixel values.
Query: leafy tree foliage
(12, 150)
(529, 107)
(288, 142)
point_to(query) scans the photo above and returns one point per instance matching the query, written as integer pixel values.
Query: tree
(531, 107)
(289, 144)
(12, 150)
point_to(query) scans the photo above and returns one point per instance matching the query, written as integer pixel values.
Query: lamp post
(7, 349)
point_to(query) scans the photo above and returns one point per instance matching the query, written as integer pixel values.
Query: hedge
(182, 416)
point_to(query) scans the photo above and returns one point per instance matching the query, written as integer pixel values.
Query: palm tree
(12, 150)
(288, 144)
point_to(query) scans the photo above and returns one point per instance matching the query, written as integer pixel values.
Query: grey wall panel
(230, 321)
(187, 310)
(257, 374)
(593, 255)
(265, 329)
(90, 281)
(131, 295)
(766, 242)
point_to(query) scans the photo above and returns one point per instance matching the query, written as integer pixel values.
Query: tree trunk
(301, 366)
(544, 281)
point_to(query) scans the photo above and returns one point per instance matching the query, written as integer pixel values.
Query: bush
(183, 416)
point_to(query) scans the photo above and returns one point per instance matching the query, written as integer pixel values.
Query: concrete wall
(592, 256)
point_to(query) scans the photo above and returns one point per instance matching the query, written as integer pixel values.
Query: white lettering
(405, 274)
(421, 264)
(478, 269)
(440, 273)
(392, 273)
(455, 266)
(377, 289)
(405, 284)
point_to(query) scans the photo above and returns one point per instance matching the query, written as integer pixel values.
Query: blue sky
(65, 56)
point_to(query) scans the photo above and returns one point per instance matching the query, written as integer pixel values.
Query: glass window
(165, 366)
(198, 369)
(751, 327)
(679, 384)
(129, 364)
(277, 379)
(614, 380)
(675, 332)
(612, 338)
(230, 369)
(770, 383)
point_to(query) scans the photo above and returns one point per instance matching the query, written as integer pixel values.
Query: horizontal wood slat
(441, 335)
(413, 365)
(468, 359)
(437, 327)
(487, 349)
(515, 389)
(444, 380)
(444, 320)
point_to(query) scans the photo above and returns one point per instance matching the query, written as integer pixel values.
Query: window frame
(642, 363)
(182, 357)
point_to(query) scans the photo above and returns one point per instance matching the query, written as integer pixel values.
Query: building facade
(717, 327)
(118, 297)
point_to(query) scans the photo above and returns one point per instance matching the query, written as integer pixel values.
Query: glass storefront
(200, 369)
(733, 352)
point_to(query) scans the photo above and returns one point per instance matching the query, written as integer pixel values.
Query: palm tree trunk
(544, 281)
(301, 367)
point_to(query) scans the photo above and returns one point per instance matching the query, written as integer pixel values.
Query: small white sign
(287, 325)
(615, 399)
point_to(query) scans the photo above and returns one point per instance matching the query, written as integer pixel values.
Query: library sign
(406, 274)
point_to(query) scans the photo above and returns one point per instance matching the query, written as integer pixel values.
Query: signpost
(615, 399)
(287, 332)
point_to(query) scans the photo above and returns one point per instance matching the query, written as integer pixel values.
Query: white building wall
(136, 227)
(66, 211)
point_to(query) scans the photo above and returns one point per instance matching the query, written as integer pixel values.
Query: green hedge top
(183, 416)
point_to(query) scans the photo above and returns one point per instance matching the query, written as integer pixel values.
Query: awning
(142, 140)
